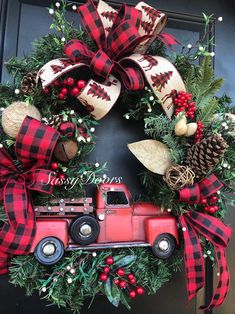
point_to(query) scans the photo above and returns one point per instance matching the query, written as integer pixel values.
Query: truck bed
(62, 207)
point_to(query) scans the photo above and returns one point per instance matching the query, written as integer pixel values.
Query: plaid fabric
(121, 41)
(34, 146)
(101, 64)
(219, 234)
(193, 193)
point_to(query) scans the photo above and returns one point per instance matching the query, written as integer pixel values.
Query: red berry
(140, 290)
(133, 281)
(54, 166)
(203, 201)
(62, 176)
(65, 82)
(64, 91)
(132, 294)
(120, 272)
(206, 208)
(70, 81)
(106, 269)
(109, 260)
(130, 276)
(81, 84)
(116, 281)
(216, 208)
(61, 96)
(122, 284)
(103, 277)
(211, 209)
(46, 90)
(213, 199)
(75, 91)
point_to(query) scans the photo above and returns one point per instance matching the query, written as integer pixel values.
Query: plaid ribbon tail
(41, 180)
(17, 234)
(219, 234)
(194, 262)
(223, 280)
(168, 39)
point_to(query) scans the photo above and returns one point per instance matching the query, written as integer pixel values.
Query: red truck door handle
(110, 211)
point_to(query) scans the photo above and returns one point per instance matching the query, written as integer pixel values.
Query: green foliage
(53, 284)
(206, 112)
(160, 128)
(201, 82)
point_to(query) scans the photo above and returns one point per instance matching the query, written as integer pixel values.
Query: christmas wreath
(48, 119)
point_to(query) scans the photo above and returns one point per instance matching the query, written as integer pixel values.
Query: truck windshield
(116, 198)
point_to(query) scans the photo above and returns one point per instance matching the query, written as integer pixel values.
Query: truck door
(118, 217)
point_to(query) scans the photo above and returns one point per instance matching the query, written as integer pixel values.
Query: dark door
(23, 21)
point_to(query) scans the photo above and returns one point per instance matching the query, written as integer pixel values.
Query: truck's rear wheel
(49, 251)
(85, 230)
(164, 246)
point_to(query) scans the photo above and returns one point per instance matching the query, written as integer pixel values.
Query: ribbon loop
(34, 146)
(101, 64)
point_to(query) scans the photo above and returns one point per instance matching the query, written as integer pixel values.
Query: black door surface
(23, 21)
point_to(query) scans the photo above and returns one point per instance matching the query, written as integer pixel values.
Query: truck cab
(115, 222)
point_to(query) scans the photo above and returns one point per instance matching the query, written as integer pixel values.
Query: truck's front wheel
(164, 246)
(49, 251)
(85, 230)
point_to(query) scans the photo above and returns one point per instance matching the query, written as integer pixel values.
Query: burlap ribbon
(122, 38)
(34, 147)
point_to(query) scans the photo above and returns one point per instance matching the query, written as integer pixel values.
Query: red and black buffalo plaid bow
(122, 40)
(34, 146)
(215, 231)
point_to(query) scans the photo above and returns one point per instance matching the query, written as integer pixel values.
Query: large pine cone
(204, 156)
(28, 83)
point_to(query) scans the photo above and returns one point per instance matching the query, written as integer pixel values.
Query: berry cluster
(121, 278)
(211, 207)
(55, 167)
(199, 132)
(183, 102)
(67, 87)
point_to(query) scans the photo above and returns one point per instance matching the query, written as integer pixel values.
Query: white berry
(68, 267)
(1, 146)
(94, 254)
(149, 109)
(184, 229)
(2, 109)
(97, 164)
(17, 91)
(57, 4)
(72, 112)
(151, 98)
(169, 210)
(44, 289)
(88, 139)
(201, 48)
(69, 280)
(74, 7)
(72, 271)
(92, 130)
(208, 252)
(51, 11)
(189, 46)
(212, 54)
(63, 39)
(127, 117)
(220, 18)
(79, 120)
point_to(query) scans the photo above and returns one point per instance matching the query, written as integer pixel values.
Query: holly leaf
(112, 292)
(124, 300)
(125, 261)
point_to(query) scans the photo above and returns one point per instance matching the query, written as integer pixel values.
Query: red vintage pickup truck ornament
(116, 222)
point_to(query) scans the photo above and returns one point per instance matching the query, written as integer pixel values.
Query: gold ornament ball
(13, 116)
(65, 150)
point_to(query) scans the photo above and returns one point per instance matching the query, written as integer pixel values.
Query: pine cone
(204, 156)
(28, 83)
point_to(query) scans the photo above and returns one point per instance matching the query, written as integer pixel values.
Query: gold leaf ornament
(154, 155)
